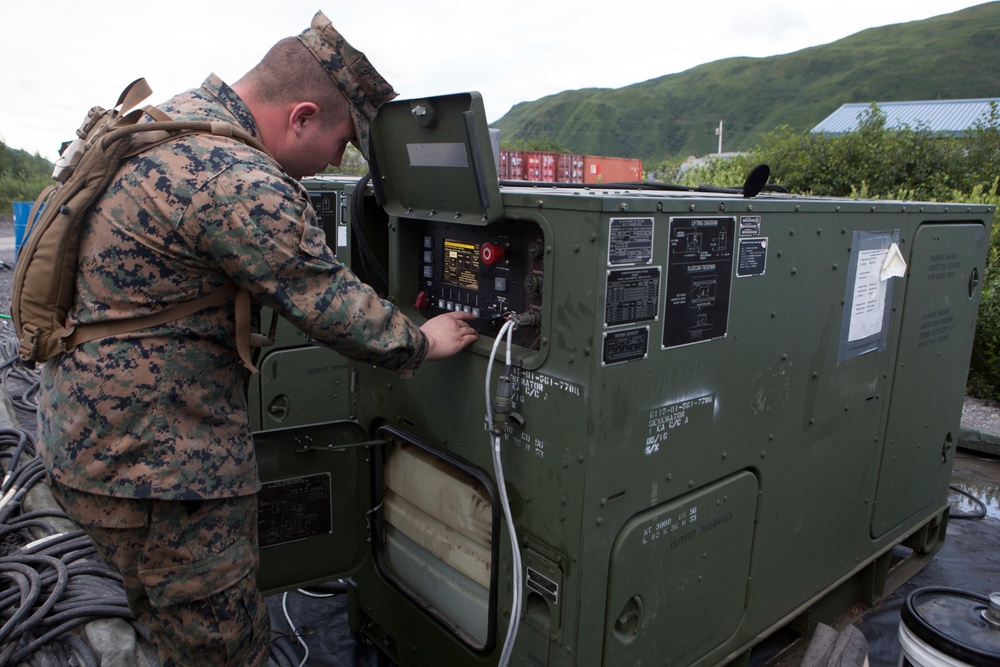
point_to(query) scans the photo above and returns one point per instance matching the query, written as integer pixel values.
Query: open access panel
(723, 411)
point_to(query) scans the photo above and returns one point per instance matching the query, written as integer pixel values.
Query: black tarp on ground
(968, 561)
(322, 624)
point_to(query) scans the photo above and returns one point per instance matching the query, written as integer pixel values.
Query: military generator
(693, 416)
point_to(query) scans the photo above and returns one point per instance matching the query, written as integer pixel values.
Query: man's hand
(447, 334)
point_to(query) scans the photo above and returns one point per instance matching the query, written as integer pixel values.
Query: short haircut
(289, 73)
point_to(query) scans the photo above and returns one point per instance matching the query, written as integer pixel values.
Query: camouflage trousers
(189, 569)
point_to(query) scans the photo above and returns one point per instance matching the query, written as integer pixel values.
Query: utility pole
(718, 131)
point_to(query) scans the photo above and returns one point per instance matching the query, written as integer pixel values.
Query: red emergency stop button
(421, 300)
(490, 253)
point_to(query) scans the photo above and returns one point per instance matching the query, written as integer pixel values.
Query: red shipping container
(569, 168)
(611, 169)
(532, 166)
(511, 165)
(549, 167)
(539, 166)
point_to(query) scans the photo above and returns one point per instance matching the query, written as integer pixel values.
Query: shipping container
(511, 165)
(539, 166)
(569, 168)
(548, 167)
(611, 169)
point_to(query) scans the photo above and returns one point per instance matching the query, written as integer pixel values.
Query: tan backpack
(45, 273)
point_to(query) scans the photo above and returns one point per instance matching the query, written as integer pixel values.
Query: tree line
(22, 176)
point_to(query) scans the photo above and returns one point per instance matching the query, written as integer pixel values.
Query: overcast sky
(60, 57)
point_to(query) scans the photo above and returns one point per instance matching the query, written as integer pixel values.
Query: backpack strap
(76, 333)
(163, 130)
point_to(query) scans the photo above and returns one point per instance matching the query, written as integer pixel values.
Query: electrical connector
(528, 319)
(503, 402)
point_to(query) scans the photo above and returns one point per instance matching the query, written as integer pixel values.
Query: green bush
(22, 176)
(984, 372)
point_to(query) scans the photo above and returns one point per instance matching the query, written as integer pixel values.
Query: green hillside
(953, 56)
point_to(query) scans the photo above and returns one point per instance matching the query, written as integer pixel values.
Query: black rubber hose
(85, 654)
(284, 652)
(979, 514)
(62, 577)
(44, 639)
(29, 585)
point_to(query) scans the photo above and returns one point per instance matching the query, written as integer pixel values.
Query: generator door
(313, 508)
(939, 315)
(432, 159)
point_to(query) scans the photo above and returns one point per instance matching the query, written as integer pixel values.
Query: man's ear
(302, 114)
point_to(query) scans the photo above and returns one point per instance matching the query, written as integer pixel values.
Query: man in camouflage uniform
(146, 435)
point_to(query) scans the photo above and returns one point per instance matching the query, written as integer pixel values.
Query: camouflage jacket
(161, 412)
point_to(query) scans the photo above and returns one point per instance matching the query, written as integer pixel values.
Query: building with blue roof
(944, 116)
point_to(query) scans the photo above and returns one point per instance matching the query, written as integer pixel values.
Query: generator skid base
(722, 414)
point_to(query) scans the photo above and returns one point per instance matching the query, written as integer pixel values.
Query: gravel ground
(981, 414)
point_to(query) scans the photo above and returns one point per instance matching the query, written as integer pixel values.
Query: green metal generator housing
(299, 382)
(725, 412)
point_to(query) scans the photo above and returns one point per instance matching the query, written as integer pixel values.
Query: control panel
(331, 211)
(491, 272)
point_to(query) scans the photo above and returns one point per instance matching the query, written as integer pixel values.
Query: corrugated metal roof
(952, 116)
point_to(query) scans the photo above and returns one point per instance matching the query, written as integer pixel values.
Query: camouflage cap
(363, 87)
